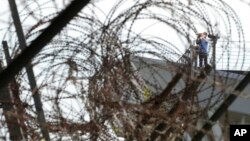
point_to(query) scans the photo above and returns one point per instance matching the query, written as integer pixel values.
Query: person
(198, 38)
(195, 50)
(203, 49)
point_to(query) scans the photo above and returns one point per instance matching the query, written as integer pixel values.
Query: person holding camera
(203, 48)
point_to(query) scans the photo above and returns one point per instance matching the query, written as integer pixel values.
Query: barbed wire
(100, 77)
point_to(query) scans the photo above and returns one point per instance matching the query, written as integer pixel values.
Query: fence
(102, 54)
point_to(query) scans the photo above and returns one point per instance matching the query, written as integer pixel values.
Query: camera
(213, 36)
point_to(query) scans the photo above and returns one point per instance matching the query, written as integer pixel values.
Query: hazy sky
(241, 8)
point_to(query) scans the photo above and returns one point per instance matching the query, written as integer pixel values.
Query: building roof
(158, 73)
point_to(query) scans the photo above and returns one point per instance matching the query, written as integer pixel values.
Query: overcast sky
(241, 8)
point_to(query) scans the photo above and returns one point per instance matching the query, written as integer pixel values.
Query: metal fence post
(14, 88)
(30, 72)
(9, 113)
